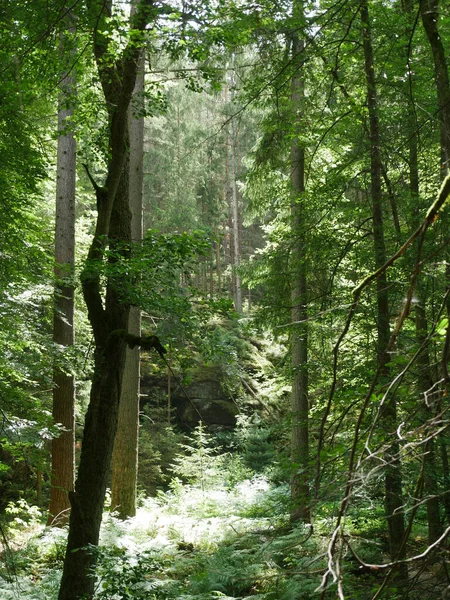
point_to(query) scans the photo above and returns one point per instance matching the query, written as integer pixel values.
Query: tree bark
(125, 454)
(393, 474)
(63, 447)
(300, 492)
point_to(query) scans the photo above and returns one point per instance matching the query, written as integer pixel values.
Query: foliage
(125, 577)
(204, 466)
(158, 445)
(253, 440)
(226, 542)
(181, 275)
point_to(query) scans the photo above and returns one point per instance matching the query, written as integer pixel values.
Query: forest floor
(196, 542)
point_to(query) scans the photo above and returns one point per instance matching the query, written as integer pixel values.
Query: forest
(225, 299)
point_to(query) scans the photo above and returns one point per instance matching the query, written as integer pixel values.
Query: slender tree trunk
(218, 267)
(425, 383)
(393, 474)
(429, 10)
(63, 447)
(228, 196)
(169, 394)
(425, 378)
(235, 221)
(125, 455)
(300, 493)
(211, 271)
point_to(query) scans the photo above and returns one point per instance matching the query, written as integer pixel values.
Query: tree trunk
(300, 493)
(393, 474)
(235, 221)
(63, 447)
(218, 267)
(229, 248)
(88, 498)
(429, 10)
(425, 383)
(425, 378)
(101, 421)
(125, 454)
(108, 316)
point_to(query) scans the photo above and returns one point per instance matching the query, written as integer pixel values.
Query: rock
(203, 398)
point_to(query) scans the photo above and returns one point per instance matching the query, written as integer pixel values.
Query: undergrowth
(214, 535)
(187, 543)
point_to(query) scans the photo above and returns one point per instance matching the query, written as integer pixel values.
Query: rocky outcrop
(202, 397)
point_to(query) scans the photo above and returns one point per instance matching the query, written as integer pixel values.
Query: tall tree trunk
(63, 447)
(235, 221)
(425, 378)
(125, 454)
(229, 248)
(393, 474)
(429, 10)
(425, 384)
(218, 266)
(99, 429)
(108, 316)
(300, 493)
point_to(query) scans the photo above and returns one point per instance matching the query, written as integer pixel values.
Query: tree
(117, 76)
(429, 11)
(425, 372)
(63, 446)
(299, 289)
(393, 475)
(124, 463)
(235, 221)
(26, 250)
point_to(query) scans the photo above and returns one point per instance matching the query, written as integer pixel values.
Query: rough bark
(106, 315)
(125, 454)
(393, 474)
(63, 447)
(300, 493)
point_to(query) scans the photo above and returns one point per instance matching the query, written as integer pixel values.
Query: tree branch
(147, 342)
